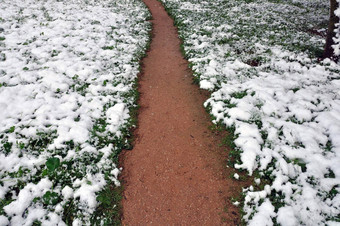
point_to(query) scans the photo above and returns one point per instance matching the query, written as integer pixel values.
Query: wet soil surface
(176, 173)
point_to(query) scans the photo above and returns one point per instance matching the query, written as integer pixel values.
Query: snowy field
(260, 60)
(67, 89)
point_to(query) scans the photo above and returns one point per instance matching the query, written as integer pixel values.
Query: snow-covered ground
(67, 75)
(259, 59)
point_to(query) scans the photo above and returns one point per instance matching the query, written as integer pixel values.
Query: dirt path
(176, 174)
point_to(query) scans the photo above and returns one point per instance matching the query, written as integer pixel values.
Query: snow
(205, 84)
(67, 70)
(26, 196)
(286, 216)
(236, 203)
(87, 187)
(116, 116)
(3, 221)
(282, 103)
(67, 192)
(264, 214)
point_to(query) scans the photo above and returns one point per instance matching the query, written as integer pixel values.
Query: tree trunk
(333, 19)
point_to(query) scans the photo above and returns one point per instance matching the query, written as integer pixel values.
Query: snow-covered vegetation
(67, 89)
(260, 60)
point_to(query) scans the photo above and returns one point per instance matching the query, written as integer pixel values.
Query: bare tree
(333, 19)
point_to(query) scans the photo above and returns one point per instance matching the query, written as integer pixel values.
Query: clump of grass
(109, 211)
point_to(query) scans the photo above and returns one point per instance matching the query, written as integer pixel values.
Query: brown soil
(176, 173)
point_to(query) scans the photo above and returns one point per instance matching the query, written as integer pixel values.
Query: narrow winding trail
(175, 174)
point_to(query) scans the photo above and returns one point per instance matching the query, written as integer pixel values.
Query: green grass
(110, 206)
